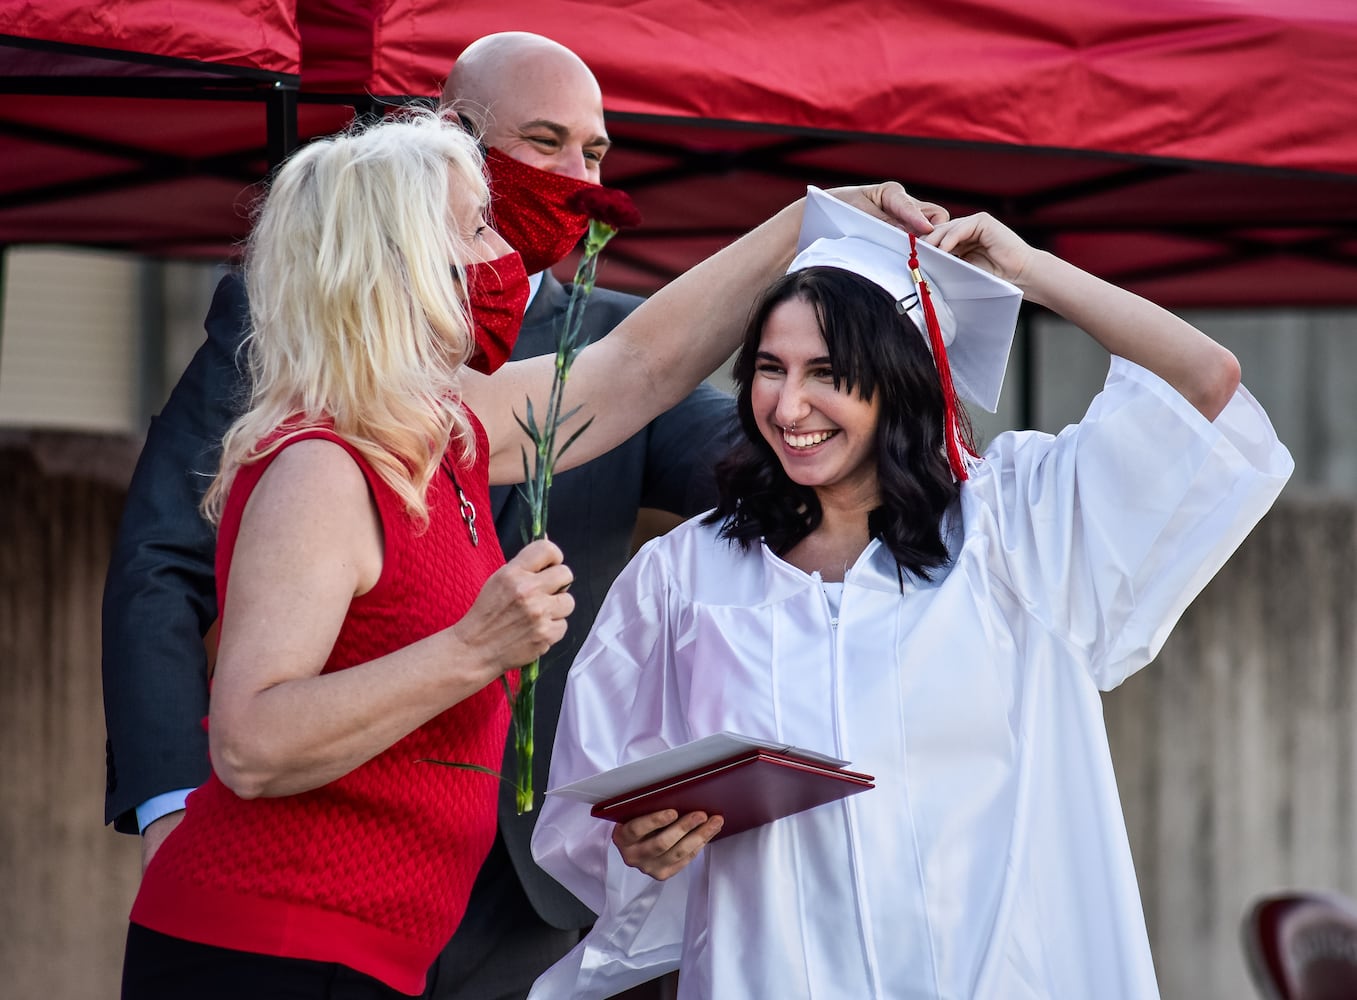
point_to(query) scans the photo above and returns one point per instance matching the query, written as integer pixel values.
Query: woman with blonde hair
(365, 615)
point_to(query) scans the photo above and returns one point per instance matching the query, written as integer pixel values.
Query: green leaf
(534, 433)
(574, 437)
(459, 765)
(531, 432)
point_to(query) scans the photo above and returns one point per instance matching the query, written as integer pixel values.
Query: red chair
(1303, 946)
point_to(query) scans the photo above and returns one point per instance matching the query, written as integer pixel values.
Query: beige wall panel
(68, 346)
(66, 882)
(1236, 750)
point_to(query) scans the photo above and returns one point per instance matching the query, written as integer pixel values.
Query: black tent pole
(282, 123)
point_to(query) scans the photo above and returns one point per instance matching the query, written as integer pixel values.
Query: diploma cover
(754, 785)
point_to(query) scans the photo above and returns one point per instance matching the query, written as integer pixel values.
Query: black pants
(159, 967)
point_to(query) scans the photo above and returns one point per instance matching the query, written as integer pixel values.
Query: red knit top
(372, 870)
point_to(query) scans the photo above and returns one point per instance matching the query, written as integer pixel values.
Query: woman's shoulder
(319, 471)
(691, 553)
(312, 463)
(686, 541)
(311, 491)
(324, 461)
(695, 564)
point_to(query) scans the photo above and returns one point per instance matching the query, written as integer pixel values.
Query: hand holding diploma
(661, 844)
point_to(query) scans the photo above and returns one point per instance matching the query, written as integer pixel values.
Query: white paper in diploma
(678, 760)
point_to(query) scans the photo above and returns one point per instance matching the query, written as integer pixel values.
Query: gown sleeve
(1107, 531)
(621, 703)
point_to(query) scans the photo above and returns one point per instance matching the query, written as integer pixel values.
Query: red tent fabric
(242, 35)
(1203, 152)
(389, 48)
(1215, 81)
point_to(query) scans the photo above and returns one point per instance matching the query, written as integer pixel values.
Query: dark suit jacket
(160, 598)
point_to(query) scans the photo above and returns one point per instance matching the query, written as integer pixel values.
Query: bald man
(533, 99)
(539, 111)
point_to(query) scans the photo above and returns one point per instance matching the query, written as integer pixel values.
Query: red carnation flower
(606, 205)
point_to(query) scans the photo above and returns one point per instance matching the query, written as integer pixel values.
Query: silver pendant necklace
(467, 508)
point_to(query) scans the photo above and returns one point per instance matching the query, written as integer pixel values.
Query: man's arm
(160, 595)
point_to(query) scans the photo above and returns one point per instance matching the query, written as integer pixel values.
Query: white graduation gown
(991, 860)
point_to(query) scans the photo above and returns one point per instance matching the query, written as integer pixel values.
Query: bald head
(532, 99)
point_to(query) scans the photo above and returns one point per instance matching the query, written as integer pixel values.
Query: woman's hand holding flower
(521, 611)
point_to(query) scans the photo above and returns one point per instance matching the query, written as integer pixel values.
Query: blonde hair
(354, 272)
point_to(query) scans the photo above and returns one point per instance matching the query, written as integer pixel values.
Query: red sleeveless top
(374, 869)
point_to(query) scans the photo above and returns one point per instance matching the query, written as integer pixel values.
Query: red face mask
(528, 209)
(497, 295)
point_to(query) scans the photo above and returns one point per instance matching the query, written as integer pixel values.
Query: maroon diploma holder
(748, 790)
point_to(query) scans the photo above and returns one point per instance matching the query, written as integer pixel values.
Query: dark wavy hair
(873, 349)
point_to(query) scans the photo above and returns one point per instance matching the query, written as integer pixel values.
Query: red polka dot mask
(528, 208)
(497, 295)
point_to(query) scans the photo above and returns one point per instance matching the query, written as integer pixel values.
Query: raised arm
(666, 347)
(1203, 372)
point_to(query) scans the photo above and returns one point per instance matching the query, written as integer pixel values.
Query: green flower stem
(537, 488)
(524, 710)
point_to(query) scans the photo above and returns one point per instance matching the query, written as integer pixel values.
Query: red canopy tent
(1201, 151)
(141, 125)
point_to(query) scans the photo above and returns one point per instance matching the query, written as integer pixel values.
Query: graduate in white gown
(869, 589)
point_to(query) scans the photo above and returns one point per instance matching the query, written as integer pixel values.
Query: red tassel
(953, 414)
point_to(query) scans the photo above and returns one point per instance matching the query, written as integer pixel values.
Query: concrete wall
(1236, 750)
(66, 882)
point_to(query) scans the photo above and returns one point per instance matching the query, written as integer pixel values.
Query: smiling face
(825, 437)
(534, 100)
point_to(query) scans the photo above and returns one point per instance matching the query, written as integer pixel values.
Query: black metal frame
(37, 67)
(1318, 240)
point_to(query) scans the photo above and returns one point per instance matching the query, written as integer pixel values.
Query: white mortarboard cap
(976, 311)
